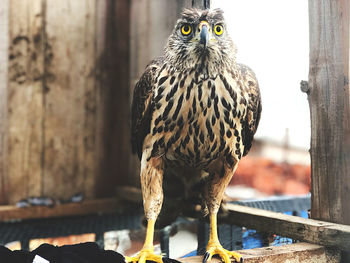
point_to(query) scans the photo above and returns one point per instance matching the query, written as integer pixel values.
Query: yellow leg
(147, 252)
(215, 248)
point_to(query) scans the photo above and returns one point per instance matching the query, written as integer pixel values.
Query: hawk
(194, 114)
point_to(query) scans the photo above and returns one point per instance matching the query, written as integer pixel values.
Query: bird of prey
(194, 114)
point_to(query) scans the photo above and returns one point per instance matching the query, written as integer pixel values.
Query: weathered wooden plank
(107, 205)
(293, 253)
(25, 96)
(330, 111)
(69, 103)
(66, 132)
(308, 230)
(112, 82)
(4, 42)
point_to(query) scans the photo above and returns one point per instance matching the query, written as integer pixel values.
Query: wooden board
(308, 230)
(24, 100)
(10, 213)
(113, 95)
(4, 42)
(64, 112)
(330, 110)
(293, 253)
(69, 103)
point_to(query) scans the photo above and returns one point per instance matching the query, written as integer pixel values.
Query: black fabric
(81, 253)
(17, 256)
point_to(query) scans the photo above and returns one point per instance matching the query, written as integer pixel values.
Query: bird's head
(200, 40)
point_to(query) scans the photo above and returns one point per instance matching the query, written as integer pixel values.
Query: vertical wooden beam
(64, 112)
(4, 42)
(69, 102)
(202, 4)
(329, 108)
(25, 96)
(330, 111)
(112, 69)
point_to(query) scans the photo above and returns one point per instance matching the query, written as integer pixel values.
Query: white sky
(272, 37)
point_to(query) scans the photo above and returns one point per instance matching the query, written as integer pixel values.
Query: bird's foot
(225, 255)
(143, 255)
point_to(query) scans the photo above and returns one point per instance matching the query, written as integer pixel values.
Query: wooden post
(202, 4)
(25, 109)
(64, 110)
(329, 109)
(113, 82)
(4, 38)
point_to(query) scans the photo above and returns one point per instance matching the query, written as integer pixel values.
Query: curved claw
(224, 254)
(143, 256)
(206, 257)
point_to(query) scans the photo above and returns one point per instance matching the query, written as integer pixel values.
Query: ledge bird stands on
(194, 114)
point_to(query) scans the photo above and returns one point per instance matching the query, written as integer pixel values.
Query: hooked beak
(204, 33)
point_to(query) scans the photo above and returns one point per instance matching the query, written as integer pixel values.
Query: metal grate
(231, 237)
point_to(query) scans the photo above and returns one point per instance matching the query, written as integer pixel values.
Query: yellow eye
(219, 29)
(186, 30)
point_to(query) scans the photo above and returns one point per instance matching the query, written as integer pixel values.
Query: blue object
(253, 239)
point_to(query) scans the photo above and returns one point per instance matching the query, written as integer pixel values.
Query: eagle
(194, 113)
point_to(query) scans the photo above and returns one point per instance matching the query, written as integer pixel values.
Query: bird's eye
(218, 29)
(186, 30)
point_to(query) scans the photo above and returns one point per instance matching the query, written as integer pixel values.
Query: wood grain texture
(293, 253)
(329, 109)
(106, 205)
(25, 96)
(4, 42)
(307, 230)
(65, 110)
(112, 82)
(69, 102)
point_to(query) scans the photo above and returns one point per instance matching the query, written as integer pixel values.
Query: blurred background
(272, 38)
(67, 73)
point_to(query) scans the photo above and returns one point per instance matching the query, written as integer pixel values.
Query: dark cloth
(81, 253)
(17, 256)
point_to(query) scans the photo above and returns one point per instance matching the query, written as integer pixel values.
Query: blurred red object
(273, 178)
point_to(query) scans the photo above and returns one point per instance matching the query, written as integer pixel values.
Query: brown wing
(142, 106)
(251, 121)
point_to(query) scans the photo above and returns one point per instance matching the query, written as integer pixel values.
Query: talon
(225, 255)
(143, 256)
(206, 256)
